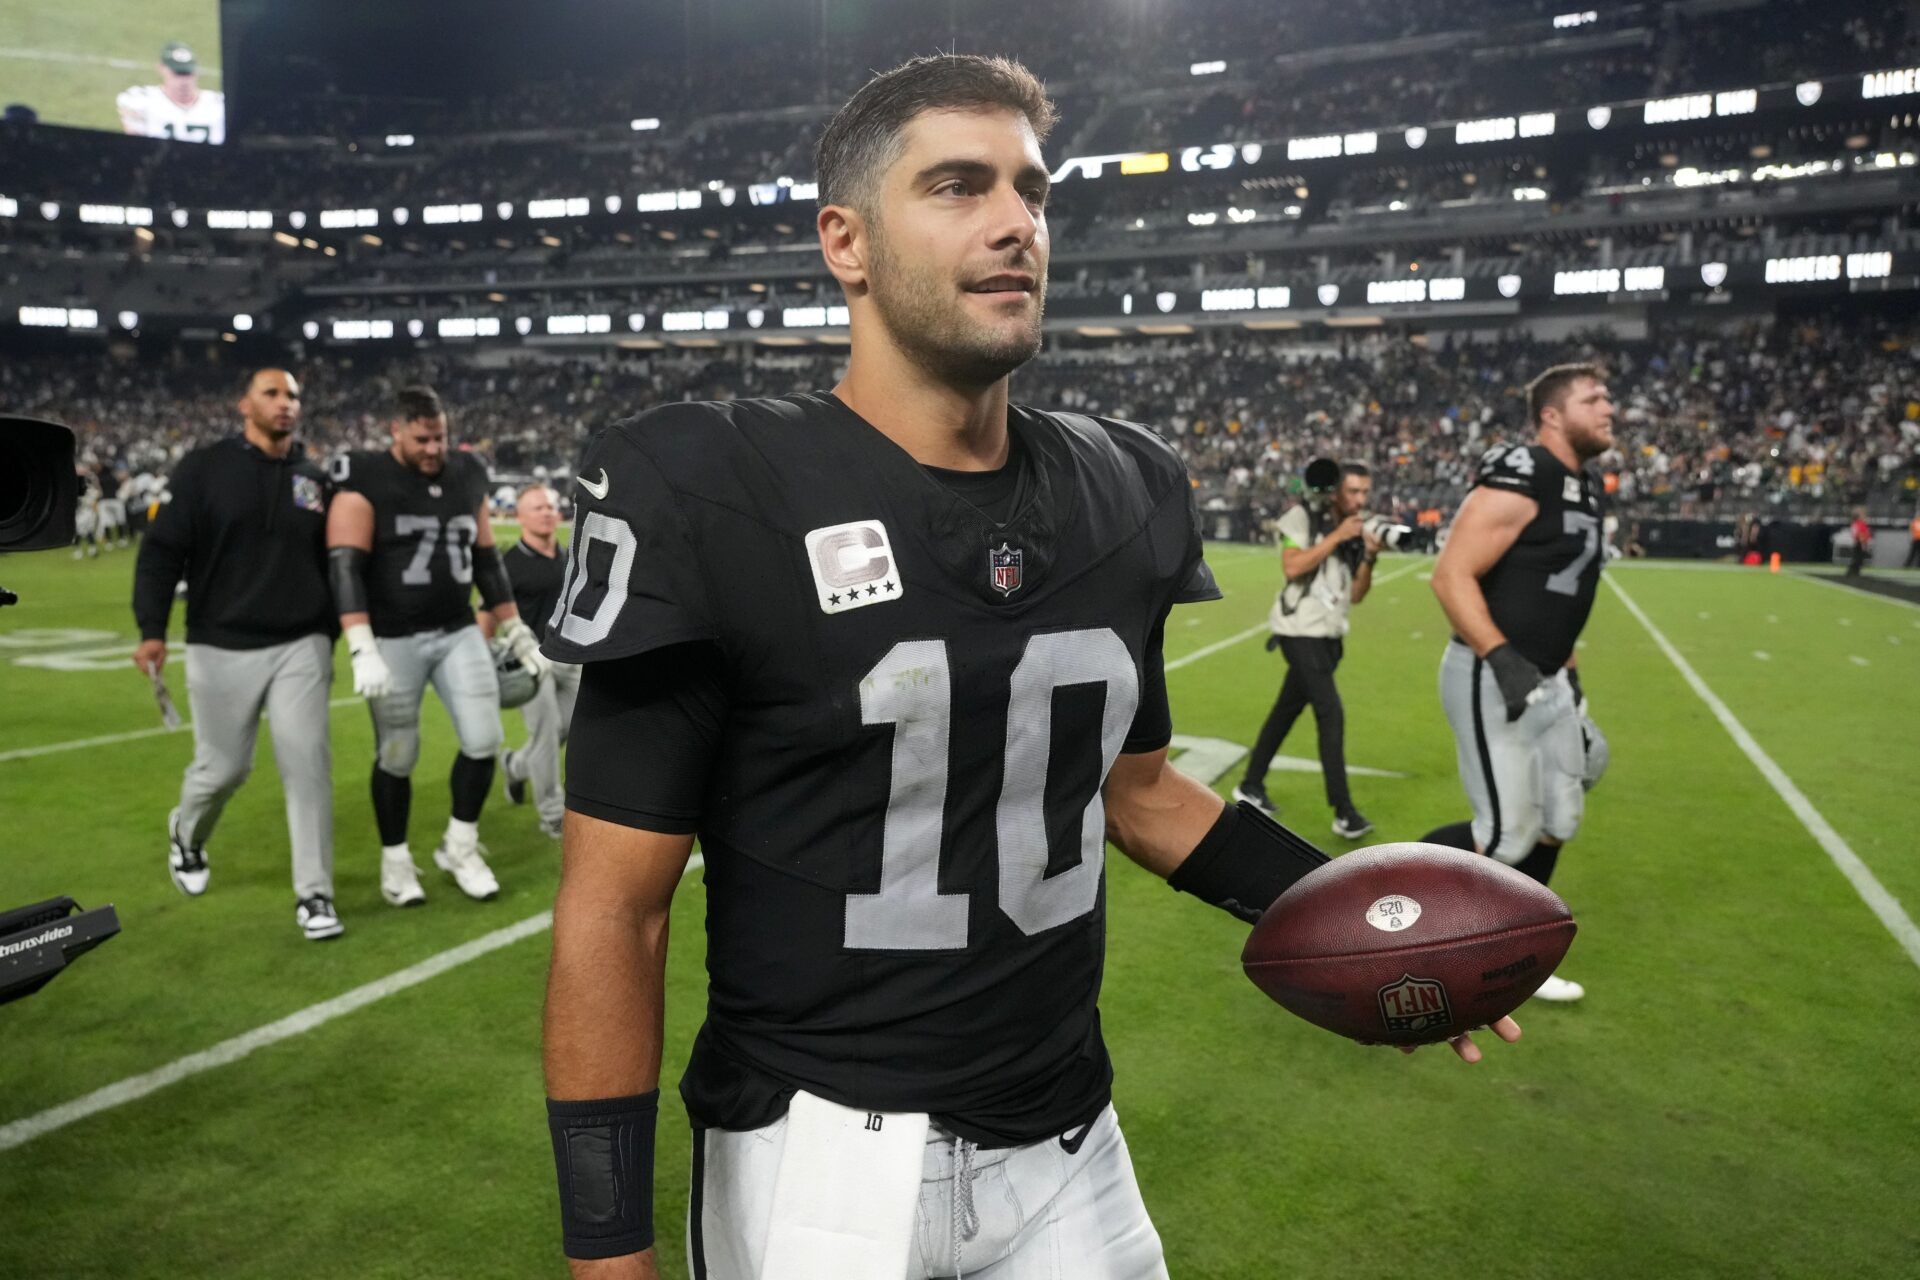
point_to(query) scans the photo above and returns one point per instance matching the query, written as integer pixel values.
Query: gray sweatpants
(228, 689)
(461, 670)
(547, 717)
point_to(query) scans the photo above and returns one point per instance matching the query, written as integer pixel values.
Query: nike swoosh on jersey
(598, 490)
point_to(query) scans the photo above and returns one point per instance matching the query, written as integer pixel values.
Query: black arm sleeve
(165, 549)
(1152, 726)
(644, 735)
(347, 575)
(490, 575)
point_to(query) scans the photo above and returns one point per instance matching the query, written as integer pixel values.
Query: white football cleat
(1559, 990)
(400, 880)
(188, 867)
(468, 869)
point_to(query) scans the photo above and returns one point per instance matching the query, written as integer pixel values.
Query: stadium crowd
(1807, 416)
(500, 145)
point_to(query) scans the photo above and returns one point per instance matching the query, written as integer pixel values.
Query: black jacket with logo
(248, 532)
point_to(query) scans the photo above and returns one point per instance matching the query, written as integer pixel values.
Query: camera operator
(247, 529)
(1327, 554)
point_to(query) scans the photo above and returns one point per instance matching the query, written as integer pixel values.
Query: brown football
(1408, 943)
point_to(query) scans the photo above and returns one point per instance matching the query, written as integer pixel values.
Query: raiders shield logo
(1004, 566)
(307, 495)
(1414, 1004)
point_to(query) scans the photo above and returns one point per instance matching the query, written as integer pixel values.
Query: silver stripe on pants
(228, 689)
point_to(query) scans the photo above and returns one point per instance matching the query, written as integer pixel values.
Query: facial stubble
(933, 328)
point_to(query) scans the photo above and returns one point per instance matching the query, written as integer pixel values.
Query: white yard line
(107, 739)
(1871, 891)
(1207, 651)
(89, 59)
(17, 1132)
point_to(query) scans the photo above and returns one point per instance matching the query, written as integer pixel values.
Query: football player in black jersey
(1517, 580)
(408, 538)
(894, 652)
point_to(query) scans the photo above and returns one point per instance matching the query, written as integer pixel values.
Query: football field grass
(1736, 1096)
(70, 59)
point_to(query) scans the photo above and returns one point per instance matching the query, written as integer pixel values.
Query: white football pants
(1038, 1212)
(1522, 778)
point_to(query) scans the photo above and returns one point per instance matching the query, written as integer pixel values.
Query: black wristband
(603, 1154)
(347, 575)
(1244, 862)
(490, 575)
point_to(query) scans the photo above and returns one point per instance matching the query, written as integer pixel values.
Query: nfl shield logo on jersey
(1414, 1004)
(1005, 564)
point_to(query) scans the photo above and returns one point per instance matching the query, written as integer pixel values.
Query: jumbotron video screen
(150, 68)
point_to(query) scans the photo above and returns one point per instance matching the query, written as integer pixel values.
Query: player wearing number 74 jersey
(894, 652)
(1517, 581)
(408, 539)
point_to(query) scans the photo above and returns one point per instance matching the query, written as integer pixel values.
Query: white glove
(371, 678)
(519, 637)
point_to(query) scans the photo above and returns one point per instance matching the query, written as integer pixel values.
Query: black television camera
(39, 496)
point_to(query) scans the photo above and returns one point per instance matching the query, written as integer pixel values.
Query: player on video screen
(177, 107)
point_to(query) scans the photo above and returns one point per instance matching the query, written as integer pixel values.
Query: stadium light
(1206, 68)
(9, 207)
(311, 329)
(644, 124)
(242, 323)
(129, 319)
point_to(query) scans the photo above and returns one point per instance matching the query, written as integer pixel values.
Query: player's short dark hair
(863, 137)
(1354, 467)
(413, 403)
(246, 379)
(1549, 390)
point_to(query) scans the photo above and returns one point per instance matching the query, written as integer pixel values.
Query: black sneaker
(516, 787)
(1351, 825)
(1255, 794)
(317, 918)
(188, 867)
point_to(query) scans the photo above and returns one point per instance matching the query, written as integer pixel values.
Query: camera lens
(17, 476)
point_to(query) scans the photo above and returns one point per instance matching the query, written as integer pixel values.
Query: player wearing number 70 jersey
(408, 539)
(1517, 581)
(893, 651)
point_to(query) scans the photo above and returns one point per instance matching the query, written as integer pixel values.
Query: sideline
(1208, 651)
(18, 1132)
(1871, 891)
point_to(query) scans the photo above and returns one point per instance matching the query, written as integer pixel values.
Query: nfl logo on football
(1414, 1004)
(1005, 564)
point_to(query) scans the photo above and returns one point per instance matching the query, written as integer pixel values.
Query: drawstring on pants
(965, 1220)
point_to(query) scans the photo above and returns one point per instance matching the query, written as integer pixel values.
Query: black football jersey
(536, 583)
(1542, 589)
(420, 575)
(903, 831)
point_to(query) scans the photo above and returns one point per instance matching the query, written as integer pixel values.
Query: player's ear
(844, 243)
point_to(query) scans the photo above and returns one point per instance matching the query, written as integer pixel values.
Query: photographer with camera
(1327, 552)
(247, 529)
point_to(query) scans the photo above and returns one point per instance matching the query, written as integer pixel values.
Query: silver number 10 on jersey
(911, 689)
